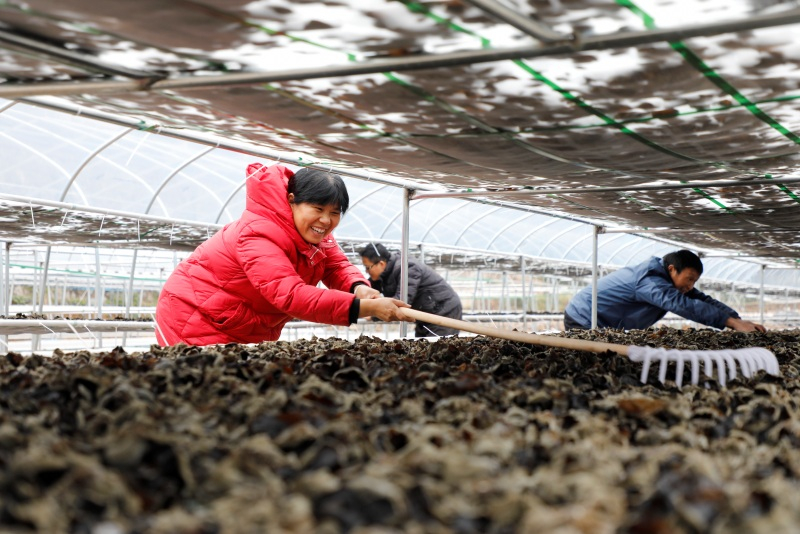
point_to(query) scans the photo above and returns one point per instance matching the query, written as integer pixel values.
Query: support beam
(707, 231)
(98, 284)
(131, 279)
(3, 281)
(524, 295)
(103, 211)
(761, 295)
(61, 54)
(406, 63)
(45, 274)
(5, 291)
(531, 191)
(404, 254)
(596, 231)
(520, 22)
(7, 275)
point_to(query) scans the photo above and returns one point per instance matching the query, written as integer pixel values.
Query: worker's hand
(384, 308)
(740, 325)
(365, 292)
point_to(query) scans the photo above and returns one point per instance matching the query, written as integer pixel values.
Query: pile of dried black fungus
(459, 435)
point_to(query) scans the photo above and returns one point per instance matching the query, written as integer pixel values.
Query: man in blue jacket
(637, 297)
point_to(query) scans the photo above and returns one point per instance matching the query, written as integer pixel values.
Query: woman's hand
(740, 325)
(384, 308)
(365, 292)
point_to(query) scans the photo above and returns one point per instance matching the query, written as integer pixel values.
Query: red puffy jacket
(255, 274)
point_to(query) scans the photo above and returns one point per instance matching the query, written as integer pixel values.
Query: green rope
(714, 77)
(715, 109)
(609, 121)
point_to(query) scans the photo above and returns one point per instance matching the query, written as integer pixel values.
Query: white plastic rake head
(751, 360)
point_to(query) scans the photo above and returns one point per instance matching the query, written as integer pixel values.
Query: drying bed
(456, 435)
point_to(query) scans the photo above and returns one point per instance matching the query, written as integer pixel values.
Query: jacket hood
(267, 191)
(267, 188)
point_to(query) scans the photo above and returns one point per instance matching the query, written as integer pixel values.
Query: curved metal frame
(440, 219)
(473, 223)
(555, 237)
(88, 160)
(506, 227)
(536, 229)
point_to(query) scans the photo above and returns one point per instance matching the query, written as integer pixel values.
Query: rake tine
(720, 369)
(645, 369)
(695, 370)
(760, 359)
(770, 364)
(662, 369)
(763, 362)
(745, 363)
(731, 366)
(708, 367)
(679, 370)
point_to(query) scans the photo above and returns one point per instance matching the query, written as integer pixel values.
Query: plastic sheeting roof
(74, 181)
(620, 111)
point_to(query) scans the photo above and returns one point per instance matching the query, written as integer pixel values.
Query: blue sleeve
(699, 295)
(694, 306)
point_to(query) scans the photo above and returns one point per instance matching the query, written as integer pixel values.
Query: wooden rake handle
(513, 335)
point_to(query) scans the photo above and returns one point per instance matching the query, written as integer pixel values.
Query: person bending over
(637, 297)
(427, 291)
(250, 278)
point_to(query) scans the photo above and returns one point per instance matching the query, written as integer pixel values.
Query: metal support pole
(35, 281)
(521, 22)
(504, 294)
(475, 290)
(43, 285)
(38, 302)
(404, 255)
(532, 295)
(129, 294)
(3, 281)
(9, 295)
(524, 294)
(548, 297)
(98, 284)
(761, 294)
(5, 293)
(595, 232)
(98, 288)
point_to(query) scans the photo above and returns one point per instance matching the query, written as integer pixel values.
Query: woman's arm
(269, 269)
(384, 308)
(340, 273)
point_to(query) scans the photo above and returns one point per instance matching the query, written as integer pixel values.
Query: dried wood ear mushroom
(457, 435)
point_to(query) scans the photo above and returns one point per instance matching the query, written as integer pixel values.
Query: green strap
(714, 77)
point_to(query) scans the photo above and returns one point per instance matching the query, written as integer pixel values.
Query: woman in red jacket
(258, 272)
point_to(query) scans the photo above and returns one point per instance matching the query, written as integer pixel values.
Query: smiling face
(314, 221)
(684, 280)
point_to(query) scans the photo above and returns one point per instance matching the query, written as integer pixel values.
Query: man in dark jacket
(637, 297)
(427, 291)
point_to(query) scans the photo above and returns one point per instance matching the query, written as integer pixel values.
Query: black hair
(319, 187)
(681, 259)
(375, 252)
